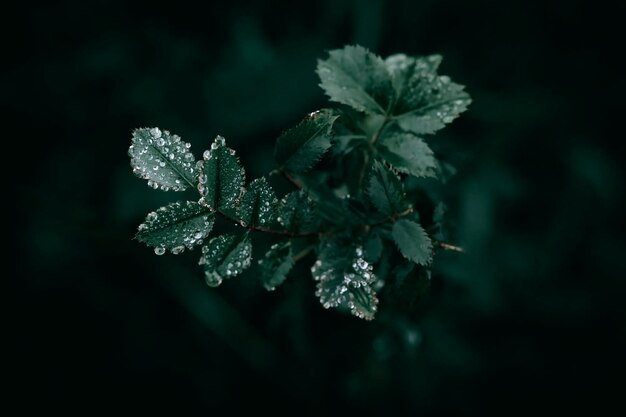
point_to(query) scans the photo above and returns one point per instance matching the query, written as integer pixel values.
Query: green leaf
(345, 282)
(258, 204)
(412, 241)
(296, 214)
(385, 190)
(276, 264)
(408, 154)
(424, 101)
(299, 148)
(221, 177)
(358, 78)
(162, 159)
(175, 227)
(225, 256)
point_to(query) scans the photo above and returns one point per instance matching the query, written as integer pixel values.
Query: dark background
(531, 317)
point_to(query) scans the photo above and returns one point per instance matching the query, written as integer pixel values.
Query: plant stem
(447, 246)
(264, 229)
(368, 154)
(382, 127)
(291, 179)
(393, 217)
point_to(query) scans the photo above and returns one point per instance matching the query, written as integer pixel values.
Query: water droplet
(152, 216)
(212, 279)
(243, 223)
(178, 250)
(159, 250)
(206, 155)
(156, 132)
(231, 151)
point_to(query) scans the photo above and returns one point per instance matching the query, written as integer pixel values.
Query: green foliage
(258, 204)
(358, 78)
(221, 177)
(225, 256)
(176, 226)
(296, 213)
(162, 159)
(276, 264)
(412, 240)
(352, 211)
(408, 154)
(386, 190)
(299, 148)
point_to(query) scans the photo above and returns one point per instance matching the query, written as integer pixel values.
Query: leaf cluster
(349, 165)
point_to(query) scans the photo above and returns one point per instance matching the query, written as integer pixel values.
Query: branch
(392, 218)
(447, 246)
(264, 229)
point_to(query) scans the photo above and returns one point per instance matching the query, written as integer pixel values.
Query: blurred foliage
(531, 316)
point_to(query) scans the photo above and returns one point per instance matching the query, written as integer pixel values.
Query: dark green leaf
(162, 159)
(385, 190)
(276, 265)
(258, 204)
(408, 154)
(413, 242)
(345, 282)
(300, 147)
(295, 213)
(358, 78)
(424, 101)
(221, 177)
(175, 227)
(225, 256)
